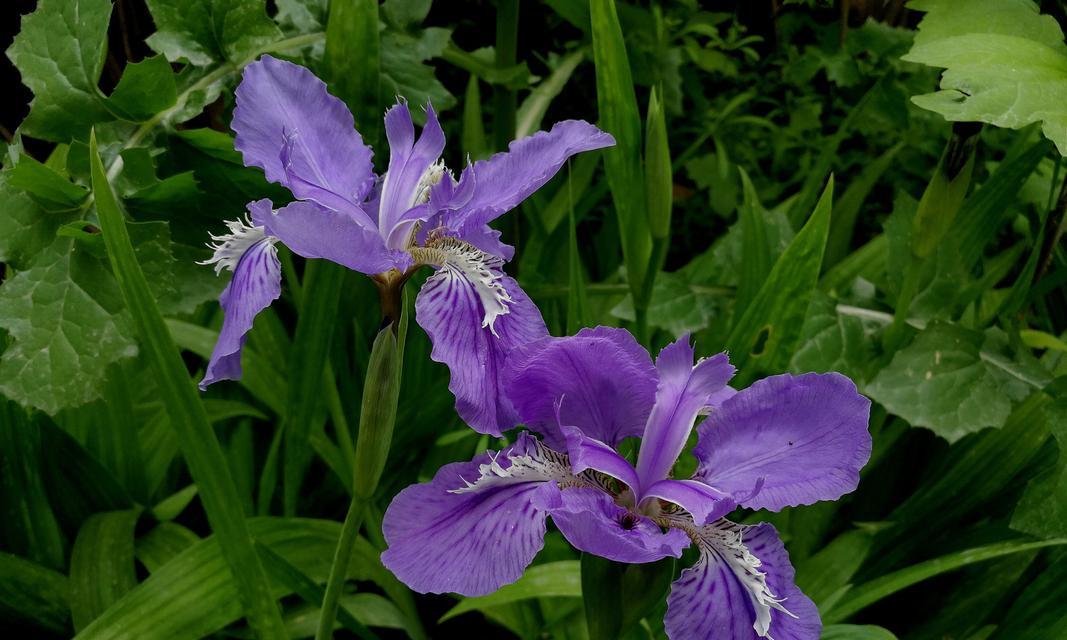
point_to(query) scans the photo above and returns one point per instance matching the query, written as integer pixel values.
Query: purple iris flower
(786, 440)
(386, 226)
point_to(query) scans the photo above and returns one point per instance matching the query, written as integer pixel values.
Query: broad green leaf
(405, 74)
(145, 89)
(855, 632)
(678, 304)
(200, 447)
(1005, 64)
(47, 187)
(953, 381)
(1038, 613)
(352, 34)
(162, 544)
(194, 596)
(368, 609)
(204, 31)
(552, 579)
(34, 595)
(836, 338)
(765, 337)
(833, 567)
(25, 228)
(59, 53)
(1042, 509)
(867, 594)
(101, 564)
(65, 321)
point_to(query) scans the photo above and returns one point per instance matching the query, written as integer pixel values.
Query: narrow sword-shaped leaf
(201, 449)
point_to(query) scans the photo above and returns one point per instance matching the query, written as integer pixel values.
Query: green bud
(659, 182)
(378, 415)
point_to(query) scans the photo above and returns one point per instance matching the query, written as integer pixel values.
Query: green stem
(504, 103)
(339, 569)
(602, 593)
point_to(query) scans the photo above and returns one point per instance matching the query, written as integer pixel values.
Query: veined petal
(506, 179)
(412, 171)
(588, 453)
(804, 436)
(741, 588)
(704, 503)
(301, 136)
(475, 527)
(256, 282)
(314, 231)
(474, 318)
(683, 391)
(592, 522)
(602, 379)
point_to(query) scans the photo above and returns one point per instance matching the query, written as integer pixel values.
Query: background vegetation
(778, 190)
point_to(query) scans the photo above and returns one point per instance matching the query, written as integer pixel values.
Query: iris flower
(415, 214)
(786, 440)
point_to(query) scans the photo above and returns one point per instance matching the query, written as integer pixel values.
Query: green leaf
(352, 34)
(47, 187)
(1005, 64)
(60, 52)
(953, 381)
(162, 544)
(678, 303)
(1042, 509)
(63, 316)
(823, 574)
(405, 74)
(836, 338)
(201, 449)
(765, 337)
(33, 594)
(194, 595)
(855, 632)
(755, 263)
(867, 594)
(1038, 613)
(552, 579)
(146, 88)
(204, 31)
(101, 564)
(848, 207)
(25, 229)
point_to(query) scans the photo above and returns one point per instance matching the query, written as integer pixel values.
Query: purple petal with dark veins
(301, 136)
(804, 436)
(684, 389)
(449, 309)
(703, 502)
(472, 542)
(314, 231)
(711, 600)
(604, 377)
(592, 522)
(588, 453)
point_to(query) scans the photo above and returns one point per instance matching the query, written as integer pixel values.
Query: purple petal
(605, 379)
(704, 503)
(508, 178)
(450, 310)
(256, 282)
(684, 389)
(314, 231)
(408, 163)
(301, 136)
(587, 453)
(472, 541)
(804, 436)
(716, 597)
(592, 522)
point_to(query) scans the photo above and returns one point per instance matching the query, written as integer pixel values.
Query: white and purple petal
(704, 503)
(256, 282)
(314, 231)
(741, 588)
(476, 526)
(592, 522)
(588, 453)
(412, 172)
(301, 136)
(805, 437)
(474, 318)
(506, 179)
(684, 390)
(601, 377)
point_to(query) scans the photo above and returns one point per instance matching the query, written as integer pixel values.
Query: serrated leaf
(49, 189)
(25, 228)
(1005, 64)
(677, 304)
(1042, 509)
(953, 381)
(834, 340)
(204, 31)
(66, 328)
(146, 88)
(405, 74)
(59, 53)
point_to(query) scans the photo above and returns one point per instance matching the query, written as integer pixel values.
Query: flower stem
(339, 569)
